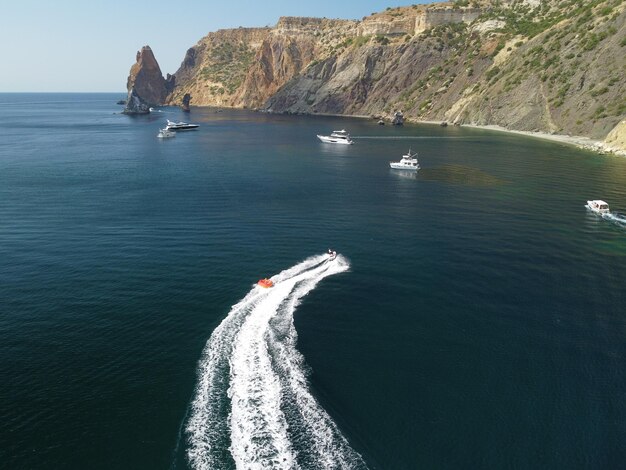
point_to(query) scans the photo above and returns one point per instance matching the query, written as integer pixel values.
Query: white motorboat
(408, 162)
(166, 133)
(598, 206)
(180, 126)
(336, 137)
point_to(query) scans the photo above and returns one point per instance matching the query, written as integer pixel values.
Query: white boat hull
(400, 166)
(332, 140)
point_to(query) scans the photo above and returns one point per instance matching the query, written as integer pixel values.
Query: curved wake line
(252, 404)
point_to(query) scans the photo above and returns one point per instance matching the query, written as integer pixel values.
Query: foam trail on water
(252, 403)
(322, 444)
(209, 434)
(616, 218)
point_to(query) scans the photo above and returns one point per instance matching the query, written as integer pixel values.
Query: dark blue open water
(476, 317)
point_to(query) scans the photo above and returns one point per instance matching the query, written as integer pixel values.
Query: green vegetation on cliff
(227, 65)
(554, 65)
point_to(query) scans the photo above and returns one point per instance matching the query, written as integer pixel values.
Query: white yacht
(408, 162)
(598, 206)
(166, 133)
(337, 137)
(180, 126)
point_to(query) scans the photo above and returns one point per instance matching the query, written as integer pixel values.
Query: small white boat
(598, 206)
(408, 162)
(166, 133)
(180, 126)
(336, 137)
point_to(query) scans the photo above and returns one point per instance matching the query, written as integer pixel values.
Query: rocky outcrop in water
(185, 103)
(146, 85)
(135, 105)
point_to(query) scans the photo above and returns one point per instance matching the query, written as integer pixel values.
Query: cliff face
(244, 67)
(286, 51)
(560, 81)
(617, 137)
(415, 19)
(552, 66)
(561, 73)
(146, 85)
(214, 70)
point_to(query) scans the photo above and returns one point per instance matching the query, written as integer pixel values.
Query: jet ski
(331, 254)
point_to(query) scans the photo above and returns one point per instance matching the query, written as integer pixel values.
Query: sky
(89, 46)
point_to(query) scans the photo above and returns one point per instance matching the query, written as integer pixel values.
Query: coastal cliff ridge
(553, 66)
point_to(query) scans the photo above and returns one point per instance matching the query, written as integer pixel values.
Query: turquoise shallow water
(480, 320)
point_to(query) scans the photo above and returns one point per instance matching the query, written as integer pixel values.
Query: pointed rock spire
(146, 85)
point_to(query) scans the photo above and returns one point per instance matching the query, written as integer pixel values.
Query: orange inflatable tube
(265, 283)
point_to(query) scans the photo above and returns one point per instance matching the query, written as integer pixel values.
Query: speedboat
(408, 162)
(598, 206)
(336, 137)
(180, 126)
(166, 133)
(266, 283)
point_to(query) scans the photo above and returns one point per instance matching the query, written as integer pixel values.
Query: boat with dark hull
(180, 126)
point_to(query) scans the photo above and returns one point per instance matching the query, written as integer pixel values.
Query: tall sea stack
(186, 101)
(146, 85)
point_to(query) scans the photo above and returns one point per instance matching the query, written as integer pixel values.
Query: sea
(474, 317)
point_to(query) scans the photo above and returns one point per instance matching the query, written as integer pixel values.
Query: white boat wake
(252, 404)
(413, 137)
(616, 218)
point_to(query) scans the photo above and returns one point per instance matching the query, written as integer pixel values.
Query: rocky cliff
(545, 68)
(246, 66)
(213, 70)
(547, 65)
(146, 85)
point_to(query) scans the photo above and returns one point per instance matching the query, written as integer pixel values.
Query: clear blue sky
(72, 45)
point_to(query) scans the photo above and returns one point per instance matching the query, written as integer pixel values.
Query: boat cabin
(598, 205)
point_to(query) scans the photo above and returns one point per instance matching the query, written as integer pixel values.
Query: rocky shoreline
(581, 142)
